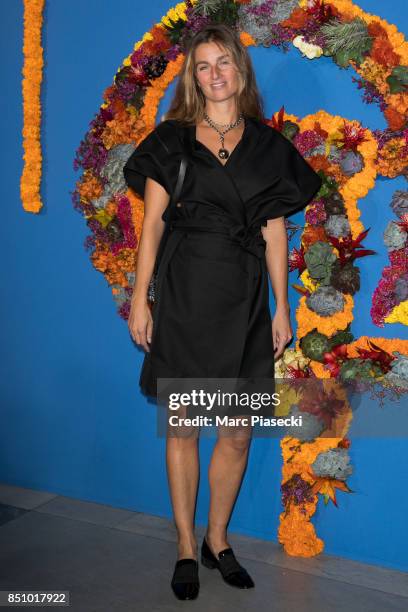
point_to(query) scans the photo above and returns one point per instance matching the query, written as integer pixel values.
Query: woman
(227, 233)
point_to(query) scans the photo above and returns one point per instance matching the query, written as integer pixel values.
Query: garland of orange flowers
(296, 532)
(392, 48)
(31, 88)
(354, 188)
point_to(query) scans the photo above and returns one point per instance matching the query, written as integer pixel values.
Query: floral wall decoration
(390, 299)
(31, 88)
(348, 156)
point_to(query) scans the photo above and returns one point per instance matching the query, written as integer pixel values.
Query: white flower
(308, 49)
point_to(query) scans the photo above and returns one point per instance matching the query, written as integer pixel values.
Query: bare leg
(183, 473)
(225, 473)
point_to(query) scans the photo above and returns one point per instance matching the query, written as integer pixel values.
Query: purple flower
(296, 490)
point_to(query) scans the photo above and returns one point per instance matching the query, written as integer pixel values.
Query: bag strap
(173, 200)
(180, 179)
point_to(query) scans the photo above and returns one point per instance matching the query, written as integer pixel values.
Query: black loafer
(185, 582)
(232, 572)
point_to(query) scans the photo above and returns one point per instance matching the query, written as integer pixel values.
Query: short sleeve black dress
(211, 318)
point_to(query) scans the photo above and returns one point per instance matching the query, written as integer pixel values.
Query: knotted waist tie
(248, 238)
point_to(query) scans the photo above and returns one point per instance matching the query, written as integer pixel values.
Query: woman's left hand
(281, 330)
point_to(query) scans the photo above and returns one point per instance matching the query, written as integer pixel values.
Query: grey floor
(112, 560)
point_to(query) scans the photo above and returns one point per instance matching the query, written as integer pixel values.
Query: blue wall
(72, 419)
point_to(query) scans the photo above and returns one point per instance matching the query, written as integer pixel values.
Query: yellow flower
(309, 50)
(176, 13)
(399, 314)
(308, 282)
(288, 398)
(102, 217)
(295, 358)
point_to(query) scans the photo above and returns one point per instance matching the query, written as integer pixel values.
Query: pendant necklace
(223, 153)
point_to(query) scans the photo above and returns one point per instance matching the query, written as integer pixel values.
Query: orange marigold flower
(297, 20)
(246, 38)
(395, 120)
(312, 234)
(89, 187)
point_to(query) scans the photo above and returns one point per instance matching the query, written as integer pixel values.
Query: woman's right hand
(140, 323)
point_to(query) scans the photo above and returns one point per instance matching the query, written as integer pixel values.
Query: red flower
(378, 355)
(293, 372)
(352, 136)
(326, 406)
(404, 223)
(334, 359)
(297, 260)
(277, 124)
(348, 247)
(319, 11)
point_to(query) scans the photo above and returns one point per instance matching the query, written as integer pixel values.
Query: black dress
(212, 317)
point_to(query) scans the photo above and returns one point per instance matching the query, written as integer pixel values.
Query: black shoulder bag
(151, 293)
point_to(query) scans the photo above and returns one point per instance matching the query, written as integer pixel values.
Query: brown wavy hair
(188, 103)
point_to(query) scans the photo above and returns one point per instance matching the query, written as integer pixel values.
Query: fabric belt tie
(248, 238)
